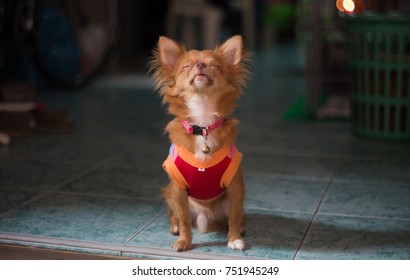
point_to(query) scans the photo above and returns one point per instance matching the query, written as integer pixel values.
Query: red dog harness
(203, 179)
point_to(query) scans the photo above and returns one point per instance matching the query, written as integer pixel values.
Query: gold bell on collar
(205, 149)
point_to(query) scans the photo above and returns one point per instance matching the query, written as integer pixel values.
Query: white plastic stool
(211, 20)
(209, 16)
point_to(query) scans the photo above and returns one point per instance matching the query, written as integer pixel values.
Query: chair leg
(189, 34)
(212, 22)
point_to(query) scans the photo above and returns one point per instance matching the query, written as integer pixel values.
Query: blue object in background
(57, 44)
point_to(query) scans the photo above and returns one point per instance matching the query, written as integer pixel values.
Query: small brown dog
(206, 186)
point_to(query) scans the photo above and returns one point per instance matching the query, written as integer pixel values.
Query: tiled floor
(314, 191)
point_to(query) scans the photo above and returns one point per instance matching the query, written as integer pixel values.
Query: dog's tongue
(201, 79)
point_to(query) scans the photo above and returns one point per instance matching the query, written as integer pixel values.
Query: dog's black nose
(201, 65)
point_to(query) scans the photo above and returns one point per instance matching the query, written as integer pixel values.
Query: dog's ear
(169, 51)
(231, 51)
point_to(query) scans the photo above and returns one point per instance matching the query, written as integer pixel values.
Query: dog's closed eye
(215, 66)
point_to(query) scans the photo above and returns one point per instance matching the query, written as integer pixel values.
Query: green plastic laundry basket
(379, 64)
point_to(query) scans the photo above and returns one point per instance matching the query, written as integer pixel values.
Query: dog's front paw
(237, 244)
(182, 245)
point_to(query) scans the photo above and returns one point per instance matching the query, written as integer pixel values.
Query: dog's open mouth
(202, 80)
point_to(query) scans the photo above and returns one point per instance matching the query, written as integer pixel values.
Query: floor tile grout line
(370, 181)
(119, 196)
(284, 152)
(144, 227)
(90, 169)
(286, 177)
(364, 216)
(57, 161)
(321, 155)
(324, 180)
(275, 210)
(51, 189)
(335, 169)
(37, 197)
(115, 248)
(323, 213)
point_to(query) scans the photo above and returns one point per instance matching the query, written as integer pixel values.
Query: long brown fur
(226, 70)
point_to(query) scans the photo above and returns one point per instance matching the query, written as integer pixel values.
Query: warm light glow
(345, 5)
(348, 5)
(339, 5)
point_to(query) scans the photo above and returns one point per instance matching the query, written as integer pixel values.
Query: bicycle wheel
(75, 39)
